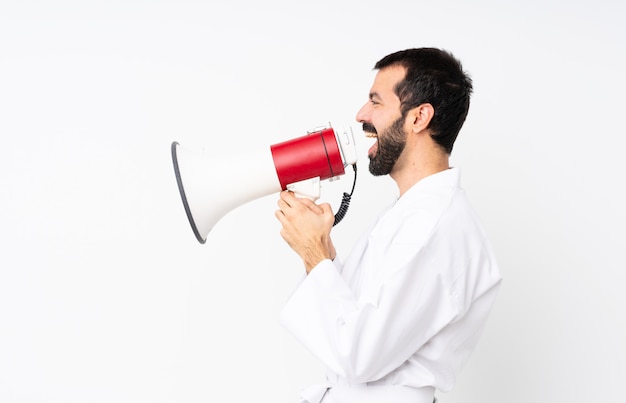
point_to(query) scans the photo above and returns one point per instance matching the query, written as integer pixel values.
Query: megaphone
(211, 184)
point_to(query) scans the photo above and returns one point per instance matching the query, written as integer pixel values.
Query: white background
(106, 296)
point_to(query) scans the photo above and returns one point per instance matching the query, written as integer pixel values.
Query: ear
(419, 117)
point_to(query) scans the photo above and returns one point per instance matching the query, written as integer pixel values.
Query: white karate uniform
(400, 317)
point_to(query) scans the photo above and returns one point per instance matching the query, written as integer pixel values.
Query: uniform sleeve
(364, 341)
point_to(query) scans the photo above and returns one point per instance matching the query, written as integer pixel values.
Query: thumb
(326, 208)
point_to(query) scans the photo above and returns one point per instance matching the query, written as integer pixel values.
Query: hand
(306, 228)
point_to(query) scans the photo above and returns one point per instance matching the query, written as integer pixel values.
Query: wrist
(314, 257)
(311, 264)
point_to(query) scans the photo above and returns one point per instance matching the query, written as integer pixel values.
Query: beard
(391, 143)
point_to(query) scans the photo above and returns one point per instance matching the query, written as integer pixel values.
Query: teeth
(371, 135)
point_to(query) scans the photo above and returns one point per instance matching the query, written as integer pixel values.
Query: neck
(409, 171)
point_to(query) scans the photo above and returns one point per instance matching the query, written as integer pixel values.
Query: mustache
(367, 127)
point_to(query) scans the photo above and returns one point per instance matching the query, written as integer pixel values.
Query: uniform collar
(449, 178)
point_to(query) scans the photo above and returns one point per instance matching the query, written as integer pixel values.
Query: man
(398, 318)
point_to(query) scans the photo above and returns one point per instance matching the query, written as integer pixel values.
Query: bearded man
(397, 319)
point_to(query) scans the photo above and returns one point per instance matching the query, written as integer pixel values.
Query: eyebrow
(374, 95)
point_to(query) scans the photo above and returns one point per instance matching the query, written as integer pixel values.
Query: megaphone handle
(308, 188)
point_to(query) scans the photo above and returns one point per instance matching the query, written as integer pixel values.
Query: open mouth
(374, 147)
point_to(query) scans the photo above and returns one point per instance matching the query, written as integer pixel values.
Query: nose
(363, 114)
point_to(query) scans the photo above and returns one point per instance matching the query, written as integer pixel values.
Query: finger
(292, 201)
(279, 215)
(283, 204)
(287, 196)
(307, 202)
(312, 206)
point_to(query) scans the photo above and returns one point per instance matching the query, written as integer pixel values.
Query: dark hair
(436, 77)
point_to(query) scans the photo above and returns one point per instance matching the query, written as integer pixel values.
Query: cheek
(380, 121)
(384, 121)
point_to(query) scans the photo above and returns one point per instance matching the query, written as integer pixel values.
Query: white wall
(105, 296)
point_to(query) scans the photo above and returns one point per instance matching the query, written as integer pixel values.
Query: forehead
(386, 80)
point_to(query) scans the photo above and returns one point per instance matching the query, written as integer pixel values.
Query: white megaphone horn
(210, 187)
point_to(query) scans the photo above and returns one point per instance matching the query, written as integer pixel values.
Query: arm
(414, 296)
(409, 290)
(363, 339)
